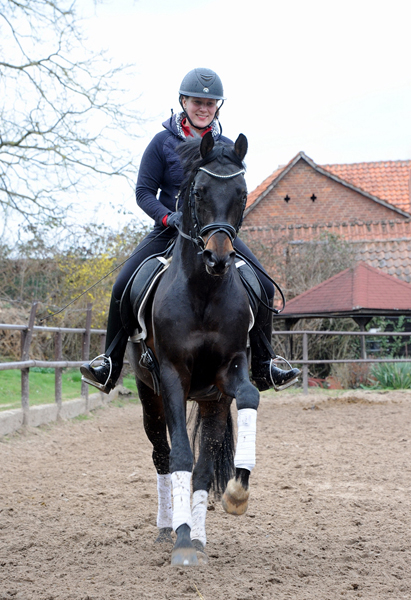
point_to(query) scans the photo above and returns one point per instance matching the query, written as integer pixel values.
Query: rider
(160, 170)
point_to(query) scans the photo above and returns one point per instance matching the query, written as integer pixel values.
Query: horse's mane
(191, 158)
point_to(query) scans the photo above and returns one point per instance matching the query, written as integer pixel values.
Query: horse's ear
(241, 146)
(207, 144)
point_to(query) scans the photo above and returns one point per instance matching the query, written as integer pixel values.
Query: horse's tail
(224, 459)
(224, 462)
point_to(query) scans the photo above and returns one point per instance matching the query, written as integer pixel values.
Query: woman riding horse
(160, 169)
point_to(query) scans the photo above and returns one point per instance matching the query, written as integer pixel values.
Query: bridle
(197, 236)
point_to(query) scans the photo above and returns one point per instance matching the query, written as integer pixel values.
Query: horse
(197, 328)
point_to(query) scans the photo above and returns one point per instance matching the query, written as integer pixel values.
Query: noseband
(230, 230)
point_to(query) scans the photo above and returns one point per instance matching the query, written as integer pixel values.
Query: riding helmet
(202, 83)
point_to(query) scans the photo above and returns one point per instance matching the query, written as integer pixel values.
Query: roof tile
(387, 180)
(362, 287)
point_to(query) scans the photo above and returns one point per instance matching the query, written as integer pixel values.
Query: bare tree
(62, 113)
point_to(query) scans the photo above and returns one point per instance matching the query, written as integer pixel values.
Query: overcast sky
(330, 78)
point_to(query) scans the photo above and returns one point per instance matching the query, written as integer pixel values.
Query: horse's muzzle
(218, 255)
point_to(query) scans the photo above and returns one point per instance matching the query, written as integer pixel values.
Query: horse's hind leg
(155, 428)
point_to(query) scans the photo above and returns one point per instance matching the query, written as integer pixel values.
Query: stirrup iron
(280, 388)
(99, 386)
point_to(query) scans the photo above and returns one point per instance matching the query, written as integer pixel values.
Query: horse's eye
(197, 195)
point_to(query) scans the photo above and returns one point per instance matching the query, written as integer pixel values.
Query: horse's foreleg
(235, 499)
(236, 495)
(181, 464)
(184, 552)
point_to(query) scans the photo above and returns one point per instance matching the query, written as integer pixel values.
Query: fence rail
(305, 362)
(58, 364)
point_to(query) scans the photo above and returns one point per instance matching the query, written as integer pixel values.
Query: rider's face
(201, 111)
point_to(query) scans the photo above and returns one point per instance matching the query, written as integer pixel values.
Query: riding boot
(265, 372)
(104, 370)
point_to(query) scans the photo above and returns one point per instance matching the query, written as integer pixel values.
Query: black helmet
(202, 83)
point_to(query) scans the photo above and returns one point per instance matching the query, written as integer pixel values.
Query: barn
(368, 205)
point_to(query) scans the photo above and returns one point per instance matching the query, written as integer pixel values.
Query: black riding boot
(104, 370)
(264, 371)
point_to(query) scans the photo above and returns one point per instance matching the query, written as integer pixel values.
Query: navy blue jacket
(160, 169)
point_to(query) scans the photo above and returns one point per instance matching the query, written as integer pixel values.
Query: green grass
(41, 387)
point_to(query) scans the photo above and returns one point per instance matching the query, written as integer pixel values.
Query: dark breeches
(156, 242)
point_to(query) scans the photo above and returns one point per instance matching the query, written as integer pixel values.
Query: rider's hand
(174, 219)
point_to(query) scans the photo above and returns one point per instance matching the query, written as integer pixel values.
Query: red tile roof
(355, 290)
(386, 180)
(390, 256)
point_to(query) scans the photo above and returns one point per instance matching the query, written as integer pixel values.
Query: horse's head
(215, 201)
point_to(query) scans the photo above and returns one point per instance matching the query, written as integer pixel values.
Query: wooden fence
(58, 364)
(305, 362)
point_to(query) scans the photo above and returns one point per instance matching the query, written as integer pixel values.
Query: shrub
(392, 376)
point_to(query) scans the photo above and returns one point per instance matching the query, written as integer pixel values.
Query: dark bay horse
(197, 329)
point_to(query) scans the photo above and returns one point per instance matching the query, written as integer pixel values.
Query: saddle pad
(138, 291)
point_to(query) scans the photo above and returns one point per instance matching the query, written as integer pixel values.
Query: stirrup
(99, 386)
(280, 388)
(281, 359)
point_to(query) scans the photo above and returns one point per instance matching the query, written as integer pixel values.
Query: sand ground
(329, 514)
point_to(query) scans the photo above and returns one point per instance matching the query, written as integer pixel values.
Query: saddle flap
(251, 283)
(138, 291)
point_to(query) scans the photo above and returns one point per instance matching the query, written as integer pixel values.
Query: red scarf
(187, 131)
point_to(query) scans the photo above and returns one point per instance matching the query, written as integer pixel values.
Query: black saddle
(140, 289)
(145, 279)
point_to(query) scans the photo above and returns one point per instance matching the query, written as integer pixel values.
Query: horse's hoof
(201, 555)
(235, 498)
(184, 557)
(164, 536)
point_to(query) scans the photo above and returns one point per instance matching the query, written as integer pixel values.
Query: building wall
(334, 202)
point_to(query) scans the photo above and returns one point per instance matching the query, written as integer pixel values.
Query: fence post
(58, 379)
(363, 346)
(25, 355)
(305, 367)
(85, 355)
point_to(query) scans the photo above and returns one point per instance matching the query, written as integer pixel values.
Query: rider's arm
(153, 176)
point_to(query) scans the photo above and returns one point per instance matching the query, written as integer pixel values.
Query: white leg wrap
(199, 511)
(247, 426)
(165, 505)
(181, 481)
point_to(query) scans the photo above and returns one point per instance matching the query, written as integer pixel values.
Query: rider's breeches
(154, 243)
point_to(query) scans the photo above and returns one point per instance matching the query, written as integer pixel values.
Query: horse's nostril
(209, 258)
